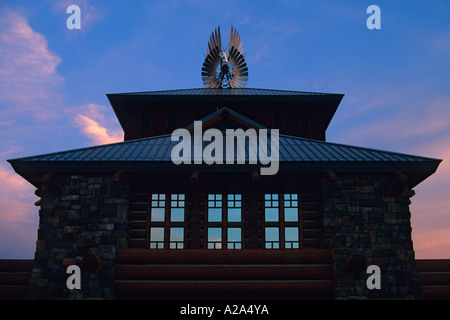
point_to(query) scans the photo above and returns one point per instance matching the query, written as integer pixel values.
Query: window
(234, 208)
(234, 238)
(214, 238)
(272, 237)
(177, 208)
(214, 208)
(224, 221)
(158, 210)
(157, 238)
(281, 221)
(176, 238)
(166, 221)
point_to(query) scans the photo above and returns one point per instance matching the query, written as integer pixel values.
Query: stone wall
(82, 220)
(366, 220)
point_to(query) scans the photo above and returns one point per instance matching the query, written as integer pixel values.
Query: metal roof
(296, 154)
(159, 148)
(225, 92)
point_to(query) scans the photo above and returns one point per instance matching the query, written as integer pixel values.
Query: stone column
(365, 224)
(83, 220)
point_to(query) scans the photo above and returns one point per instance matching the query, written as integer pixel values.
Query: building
(141, 226)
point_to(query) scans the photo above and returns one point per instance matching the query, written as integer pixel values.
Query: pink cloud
(18, 216)
(93, 124)
(27, 67)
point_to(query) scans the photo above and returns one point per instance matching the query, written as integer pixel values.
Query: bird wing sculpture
(222, 68)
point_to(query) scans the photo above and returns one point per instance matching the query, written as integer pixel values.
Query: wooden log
(223, 272)
(285, 290)
(195, 177)
(16, 265)
(14, 278)
(433, 265)
(116, 176)
(331, 176)
(401, 176)
(436, 293)
(145, 256)
(48, 177)
(255, 176)
(435, 278)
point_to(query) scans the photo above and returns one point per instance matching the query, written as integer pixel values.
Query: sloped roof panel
(292, 149)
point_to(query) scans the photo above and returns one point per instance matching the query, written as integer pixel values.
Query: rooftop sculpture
(223, 68)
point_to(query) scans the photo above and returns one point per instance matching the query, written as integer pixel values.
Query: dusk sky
(54, 81)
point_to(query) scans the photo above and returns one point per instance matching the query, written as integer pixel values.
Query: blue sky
(54, 81)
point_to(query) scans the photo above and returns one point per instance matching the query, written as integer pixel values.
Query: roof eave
(32, 171)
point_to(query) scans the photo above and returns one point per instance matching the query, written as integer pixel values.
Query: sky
(54, 81)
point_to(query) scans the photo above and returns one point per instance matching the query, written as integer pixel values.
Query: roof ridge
(224, 90)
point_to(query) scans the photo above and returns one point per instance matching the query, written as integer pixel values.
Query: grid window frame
(289, 201)
(226, 202)
(167, 202)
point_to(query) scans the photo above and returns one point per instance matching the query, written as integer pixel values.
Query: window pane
(177, 214)
(234, 238)
(156, 238)
(271, 214)
(214, 238)
(234, 215)
(272, 238)
(176, 238)
(291, 214)
(214, 215)
(157, 214)
(291, 238)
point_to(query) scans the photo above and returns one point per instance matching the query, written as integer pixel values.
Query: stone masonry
(366, 221)
(82, 220)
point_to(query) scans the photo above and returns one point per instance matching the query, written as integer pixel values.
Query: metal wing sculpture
(221, 68)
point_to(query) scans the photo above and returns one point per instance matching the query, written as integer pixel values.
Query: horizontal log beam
(433, 265)
(223, 272)
(276, 290)
(436, 293)
(16, 265)
(145, 256)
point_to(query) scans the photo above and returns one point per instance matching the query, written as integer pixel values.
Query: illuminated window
(157, 238)
(158, 210)
(272, 237)
(224, 221)
(166, 221)
(234, 240)
(176, 240)
(281, 221)
(177, 207)
(214, 238)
